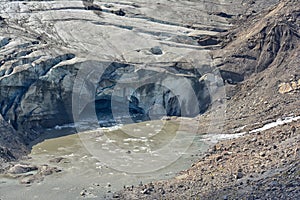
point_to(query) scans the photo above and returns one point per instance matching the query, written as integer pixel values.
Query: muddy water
(104, 160)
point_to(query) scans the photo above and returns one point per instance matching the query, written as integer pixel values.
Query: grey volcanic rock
(156, 50)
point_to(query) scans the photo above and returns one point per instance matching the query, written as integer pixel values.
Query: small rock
(151, 185)
(156, 50)
(108, 5)
(120, 12)
(293, 129)
(285, 88)
(166, 118)
(214, 148)
(239, 175)
(219, 158)
(46, 170)
(227, 153)
(262, 154)
(274, 184)
(56, 160)
(83, 193)
(161, 191)
(20, 169)
(294, 85)
(146, 191)
(27, 180)
(141, 183)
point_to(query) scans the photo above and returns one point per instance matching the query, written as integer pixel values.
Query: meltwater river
(86, 169)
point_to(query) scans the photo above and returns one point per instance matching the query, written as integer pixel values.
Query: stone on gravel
(21, 168)
(156, 50)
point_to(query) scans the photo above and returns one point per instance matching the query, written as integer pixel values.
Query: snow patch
(277, 123)
(214, 138)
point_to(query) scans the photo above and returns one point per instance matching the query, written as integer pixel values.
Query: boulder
(21, 168)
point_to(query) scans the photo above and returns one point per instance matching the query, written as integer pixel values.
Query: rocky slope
(263, 165)
(265, 49)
